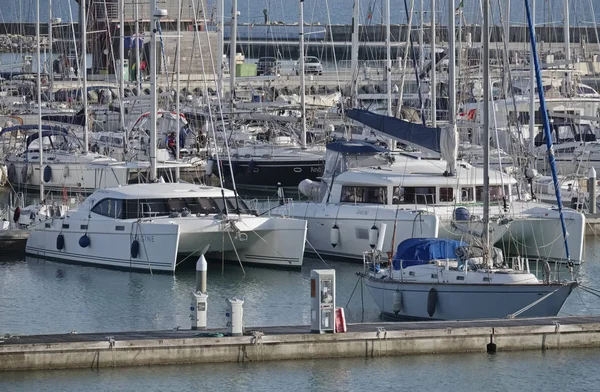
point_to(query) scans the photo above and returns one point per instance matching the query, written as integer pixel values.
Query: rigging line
(236, 253)
(317, 253)
(162, 48)
(531, 305)
(353, 290)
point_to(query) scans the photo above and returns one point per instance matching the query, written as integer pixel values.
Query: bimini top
(355, 147)
(34, 127)
(417, 251)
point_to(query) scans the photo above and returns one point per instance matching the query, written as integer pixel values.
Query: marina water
(38, 296)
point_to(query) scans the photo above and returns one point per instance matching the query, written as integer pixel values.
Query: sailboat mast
(302, 80)
(49, 60)
(486, 131)
(532, 89)
(83, 72)
(221, 42)
(421, 31)
(138, 74)
(506, 62)
(567, 34)
(153, 103)
(433, 69)
(177, 88)
(388, 57)
(232, 52)
(354, 53)
(121, 72)
(452, 67)
(39, 100)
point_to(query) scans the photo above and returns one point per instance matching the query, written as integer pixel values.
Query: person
(143, 68)
(266, 14)
(133, 73)
(201, 140)
(171, 146)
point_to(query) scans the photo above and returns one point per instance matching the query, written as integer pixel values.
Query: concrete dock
(13, 240)
(95, 350)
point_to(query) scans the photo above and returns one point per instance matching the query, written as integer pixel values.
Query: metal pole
(121, 72)
(451, 68)
(232, 53)
(354, 52)
(83, 71)
(567, 30)
(388, 67)
(138, 74)
(532, 90)
(486, 130)
(505, 82)
(421, 31)
(177, 89)
(39, 101)
(153, 103)
(51, 73)
(221, 37)
(302, 78)
(433, 69)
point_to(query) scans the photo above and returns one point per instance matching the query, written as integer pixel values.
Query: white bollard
(235, 316)
(201, 269)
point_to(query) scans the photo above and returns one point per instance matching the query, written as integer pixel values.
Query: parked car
(267, 66)
(312, 65)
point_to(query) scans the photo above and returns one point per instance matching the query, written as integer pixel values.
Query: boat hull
(466, 302)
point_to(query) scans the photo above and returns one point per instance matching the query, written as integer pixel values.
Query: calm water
(41, 297)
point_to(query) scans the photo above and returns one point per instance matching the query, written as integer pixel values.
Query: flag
(461, 5)
(370, 13)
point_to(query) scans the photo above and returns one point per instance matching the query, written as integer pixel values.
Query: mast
(138, 74)
(51, 73)
(388, 67)
(83, 72)
(302, 80)
(421, 31)
(177, 88)
(39, 100)
(354, 52)
(153, 104)
(547, 133)
(567, 34)
(505, 82)
(452, 67)
(221, 38)
(532, 89)
(433, 69)
(486, 131)
(121, 72)
(232, 52)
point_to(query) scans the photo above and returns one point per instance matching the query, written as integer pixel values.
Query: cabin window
(233, 205)
(111, 208)
(419, 195)
(446, 194)
(398, 197)
(364, 194)
(496, 193)
(466, 194)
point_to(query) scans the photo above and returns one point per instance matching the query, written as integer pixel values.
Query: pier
(367, 340)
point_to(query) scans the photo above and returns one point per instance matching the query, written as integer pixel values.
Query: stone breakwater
(21, 43)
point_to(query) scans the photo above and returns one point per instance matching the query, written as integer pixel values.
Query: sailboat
(146, 227)
(446, 279)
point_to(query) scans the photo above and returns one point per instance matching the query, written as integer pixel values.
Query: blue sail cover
(417, 251)
(407, 132)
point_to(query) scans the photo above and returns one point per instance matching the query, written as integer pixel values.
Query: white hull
(354, 224)
(531, 229)
(466, 301)
(265, 241)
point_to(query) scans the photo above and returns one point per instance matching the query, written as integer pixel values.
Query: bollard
(592, 190)
(201, 268)
(235, 316)
(199, 297)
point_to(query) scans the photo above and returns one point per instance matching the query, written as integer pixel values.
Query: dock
(367, 340)
(13, 240)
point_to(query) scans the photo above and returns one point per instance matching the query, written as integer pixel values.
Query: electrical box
(235, 316)
(124, 66)
(322, 301)
(199, 309)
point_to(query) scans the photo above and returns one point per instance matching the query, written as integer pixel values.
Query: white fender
(381, 238)
(334, 235)
(373, 234)
(397, 302)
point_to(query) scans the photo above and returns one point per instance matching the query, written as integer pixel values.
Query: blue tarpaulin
(416, 251)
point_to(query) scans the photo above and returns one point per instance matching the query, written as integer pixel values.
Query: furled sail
(442, 141)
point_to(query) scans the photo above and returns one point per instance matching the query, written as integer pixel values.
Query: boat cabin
(185, 200)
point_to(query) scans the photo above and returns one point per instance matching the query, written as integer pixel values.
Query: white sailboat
(449, 280)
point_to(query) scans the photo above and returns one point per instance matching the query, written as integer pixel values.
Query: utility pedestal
(322, 301)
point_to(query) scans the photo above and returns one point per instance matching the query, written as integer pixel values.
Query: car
(312, 65)
(267, 66)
